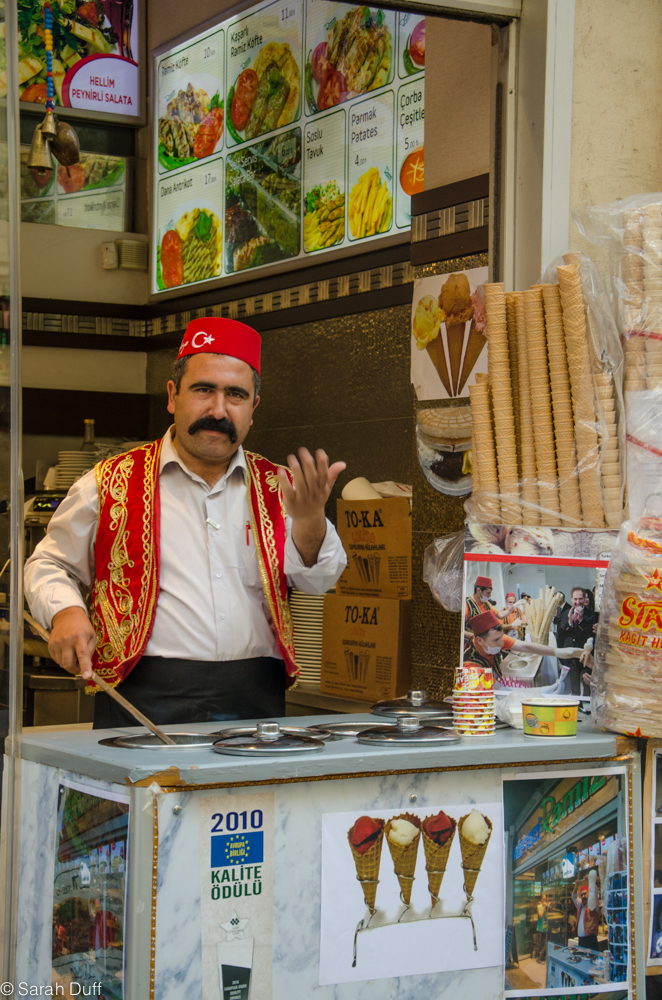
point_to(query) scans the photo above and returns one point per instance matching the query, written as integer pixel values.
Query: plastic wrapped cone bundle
(436, 859)
(367, 869)
(472, 856)
(455, 334)
(475, 346)
(435, 350)
(404, 857)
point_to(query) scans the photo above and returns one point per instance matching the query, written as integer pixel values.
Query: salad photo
(263, 203)
(81, 28)
(353, 56)
(264, 96)
(191, 249)
(92, 171)
(191, 127)
(412, 48)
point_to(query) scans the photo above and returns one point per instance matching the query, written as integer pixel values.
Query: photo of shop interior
(567, 895)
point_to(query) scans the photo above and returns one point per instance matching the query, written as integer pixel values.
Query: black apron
(171, 691)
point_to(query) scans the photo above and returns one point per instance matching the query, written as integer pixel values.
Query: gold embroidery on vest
(283, 607)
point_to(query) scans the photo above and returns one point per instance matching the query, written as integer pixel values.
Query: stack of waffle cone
(530, 495)
(502, 403)
(484, 450)
(436, 859)
(511, 322)
(612, 483)
(583, 400)
(367, 869)
(472, 857)
(631, 299)
(543, 426)
(404, 857)
(564, 424)
(651, 230)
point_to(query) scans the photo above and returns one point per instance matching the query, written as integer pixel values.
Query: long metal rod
(12, 769)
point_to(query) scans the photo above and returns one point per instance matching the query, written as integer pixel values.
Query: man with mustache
(185, 549)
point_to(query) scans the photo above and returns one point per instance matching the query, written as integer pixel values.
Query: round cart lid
(410, 730)
(148, 741)
(345, 730)
(321, 733)
(416, 703)
(267, 738)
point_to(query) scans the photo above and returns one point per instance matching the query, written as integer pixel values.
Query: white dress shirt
(211, 602)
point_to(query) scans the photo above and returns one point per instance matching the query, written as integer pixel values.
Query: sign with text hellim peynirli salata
(236, 895)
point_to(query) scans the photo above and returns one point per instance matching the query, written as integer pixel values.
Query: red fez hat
(222, 336)
(483, 622)
(483, 581)
(511, 595)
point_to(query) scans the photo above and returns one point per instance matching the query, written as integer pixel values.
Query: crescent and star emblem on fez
(207, 338)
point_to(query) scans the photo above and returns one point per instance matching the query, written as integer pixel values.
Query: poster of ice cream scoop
(448, 333)
(236, 895)
(408, 893)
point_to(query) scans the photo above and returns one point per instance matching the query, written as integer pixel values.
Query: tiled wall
(341, 384)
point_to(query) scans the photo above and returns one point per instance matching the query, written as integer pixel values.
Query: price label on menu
(324, 182)
(189, 219)
(190, 102)
(410, 121)
(263, 78)
(370, 166)
(97, 210)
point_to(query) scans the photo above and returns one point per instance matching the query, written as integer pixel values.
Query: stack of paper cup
(473, 701)
(652, 248)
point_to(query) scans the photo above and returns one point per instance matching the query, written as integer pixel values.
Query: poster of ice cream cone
(410, 892)
(236, 896)
(448, 338)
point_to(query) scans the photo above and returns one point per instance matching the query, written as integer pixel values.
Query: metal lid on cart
(416, 703)
(148, 741)
(317, 732)
(346, 730)
(267, 738)
(409, 731)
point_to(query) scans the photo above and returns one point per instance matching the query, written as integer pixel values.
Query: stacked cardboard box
(366, 649)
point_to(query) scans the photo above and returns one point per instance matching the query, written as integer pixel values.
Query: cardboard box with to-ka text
(376, 535)
(366, 647)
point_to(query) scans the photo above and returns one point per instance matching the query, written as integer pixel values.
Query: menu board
(95, 51)
(292, 129)
(89, 195)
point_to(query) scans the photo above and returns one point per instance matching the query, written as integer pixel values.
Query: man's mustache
(223, 426)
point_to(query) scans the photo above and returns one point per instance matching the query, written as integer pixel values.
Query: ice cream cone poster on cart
(568, 930)
(411, 892)
(236, 895)
(448, 333)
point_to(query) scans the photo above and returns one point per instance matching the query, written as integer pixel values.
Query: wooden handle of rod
(142, 719)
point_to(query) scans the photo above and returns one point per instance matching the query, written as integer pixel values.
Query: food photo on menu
(409, 893)
(350, 51)
(263, 202)
(265, 95)
(191, 127)
(411, 29)
(81, 29)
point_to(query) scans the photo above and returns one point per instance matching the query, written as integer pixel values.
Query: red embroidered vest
(126, 555)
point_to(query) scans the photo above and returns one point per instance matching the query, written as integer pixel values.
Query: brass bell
(49, 124)
(39, 157)
(65, 146)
